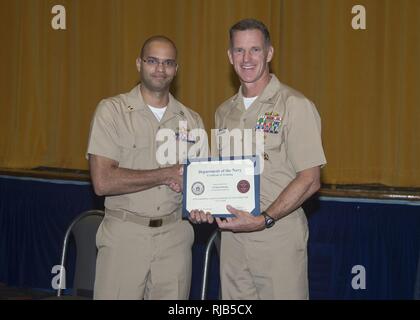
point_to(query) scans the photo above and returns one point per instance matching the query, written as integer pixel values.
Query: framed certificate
(212, 184)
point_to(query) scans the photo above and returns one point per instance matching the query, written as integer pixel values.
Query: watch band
(269, 221)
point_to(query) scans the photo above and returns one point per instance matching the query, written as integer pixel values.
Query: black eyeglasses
(154, 62)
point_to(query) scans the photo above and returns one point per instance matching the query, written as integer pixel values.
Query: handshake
(174, 177)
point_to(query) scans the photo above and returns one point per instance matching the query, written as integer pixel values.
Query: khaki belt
(144, 221)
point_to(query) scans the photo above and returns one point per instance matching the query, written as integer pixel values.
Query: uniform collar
(268, 95)
(136, 102)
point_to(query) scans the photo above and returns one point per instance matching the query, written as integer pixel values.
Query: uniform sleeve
(103, 135)
(304, 145)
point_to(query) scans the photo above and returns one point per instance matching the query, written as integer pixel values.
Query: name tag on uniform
(220, 132)
(269, 122)
(185, 135)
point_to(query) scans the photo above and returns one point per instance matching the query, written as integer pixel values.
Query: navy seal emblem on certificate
(212, 184)
(197, 188)
(243, 186)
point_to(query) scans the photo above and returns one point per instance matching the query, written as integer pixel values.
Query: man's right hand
(174, 178)
(175, 187)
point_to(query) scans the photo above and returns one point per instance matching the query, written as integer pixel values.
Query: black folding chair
(83, 228)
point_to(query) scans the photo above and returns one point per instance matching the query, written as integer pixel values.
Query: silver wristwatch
(269, 221)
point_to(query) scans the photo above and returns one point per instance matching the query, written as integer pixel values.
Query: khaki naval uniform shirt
(272, 263)
(124, 129)
(292, 134)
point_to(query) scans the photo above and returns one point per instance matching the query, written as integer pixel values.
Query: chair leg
(209, 246)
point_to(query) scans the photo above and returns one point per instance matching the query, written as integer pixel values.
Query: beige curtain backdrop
(365, 83)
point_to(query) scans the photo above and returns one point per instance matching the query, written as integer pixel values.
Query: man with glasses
(144, 247)
(265, 256)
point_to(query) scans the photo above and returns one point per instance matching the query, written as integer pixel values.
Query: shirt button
(159, 187)
(134, 145)
(158, 208)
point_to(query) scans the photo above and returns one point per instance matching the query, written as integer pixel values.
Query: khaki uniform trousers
(142, 262)
(269, 264)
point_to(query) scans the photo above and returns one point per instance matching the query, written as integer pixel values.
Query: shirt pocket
(135, 152)
(274, 141)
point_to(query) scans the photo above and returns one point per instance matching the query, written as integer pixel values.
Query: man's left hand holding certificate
(212, 185)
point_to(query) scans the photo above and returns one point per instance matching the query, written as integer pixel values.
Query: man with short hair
(144, 248)
(265, 256)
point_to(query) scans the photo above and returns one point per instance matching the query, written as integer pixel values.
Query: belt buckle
(155, 223)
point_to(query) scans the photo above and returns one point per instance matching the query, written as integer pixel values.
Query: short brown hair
(250, 24)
